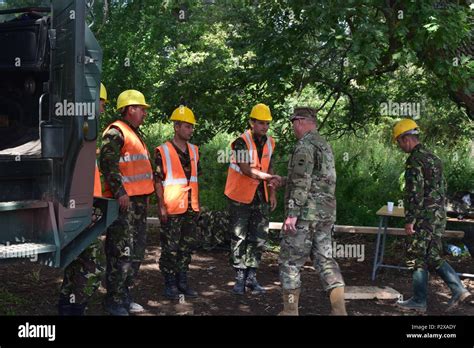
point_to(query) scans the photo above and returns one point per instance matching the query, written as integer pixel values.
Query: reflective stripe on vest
(176, 186)
(134, 163)
(240, 187)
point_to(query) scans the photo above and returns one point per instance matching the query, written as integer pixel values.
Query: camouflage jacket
(311, 181)
(109, 158)
(425, 187)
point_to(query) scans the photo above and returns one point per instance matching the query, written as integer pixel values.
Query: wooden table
(397, 212)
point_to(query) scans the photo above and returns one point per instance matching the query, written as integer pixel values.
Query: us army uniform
(126, 237)
(310, 196)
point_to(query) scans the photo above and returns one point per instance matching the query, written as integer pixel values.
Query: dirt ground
(27, 288)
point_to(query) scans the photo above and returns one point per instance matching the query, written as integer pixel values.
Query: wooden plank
(465, 220)
(153, 220)
(392, 231)
(370, 293)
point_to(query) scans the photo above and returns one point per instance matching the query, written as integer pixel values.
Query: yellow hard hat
(103, 92)
(261, 112)
(184, 114)
(131, 97)
(404, 126)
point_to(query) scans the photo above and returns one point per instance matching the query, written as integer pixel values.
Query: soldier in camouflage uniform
(82, 277)
(425, 219)
(176, 186)
(125, 164)
(250, 199)
(310, 206)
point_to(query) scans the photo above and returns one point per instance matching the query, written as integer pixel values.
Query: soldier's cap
(303, 112)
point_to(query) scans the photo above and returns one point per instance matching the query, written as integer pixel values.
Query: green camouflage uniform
(82, 277)
(249, 222)
(310, 196)
(126, 238)
(425, 191)
(178, 235)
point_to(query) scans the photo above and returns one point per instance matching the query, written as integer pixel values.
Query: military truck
(50, 72)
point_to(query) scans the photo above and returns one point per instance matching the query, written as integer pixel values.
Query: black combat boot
(239, 287)
(171, 290)
(183, 287)
(252, 282)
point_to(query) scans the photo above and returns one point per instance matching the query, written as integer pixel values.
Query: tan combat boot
(290, 302)
(337, 301)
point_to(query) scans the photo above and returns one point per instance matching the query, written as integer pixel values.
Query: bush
(369, 172)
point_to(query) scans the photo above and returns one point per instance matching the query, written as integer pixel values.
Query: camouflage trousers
(178, 241)
(311, 239)
(249, 230)
(426, 246)
(82, 277)
(125, 248)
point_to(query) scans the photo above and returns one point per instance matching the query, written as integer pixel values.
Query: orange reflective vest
(97, 184)
(176, 186)
(134, 164)
(240, 187)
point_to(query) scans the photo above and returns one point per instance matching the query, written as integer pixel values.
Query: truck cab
(50, 72)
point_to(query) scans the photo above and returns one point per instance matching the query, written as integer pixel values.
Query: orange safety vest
(97, 184)
(134, 164)
(176, 186)
(240, 187)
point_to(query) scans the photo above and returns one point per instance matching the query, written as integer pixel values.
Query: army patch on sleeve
(300, 161)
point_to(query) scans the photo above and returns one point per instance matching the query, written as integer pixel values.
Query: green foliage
(345, 57)
(214, 171)
(9, 302)
(369, 171)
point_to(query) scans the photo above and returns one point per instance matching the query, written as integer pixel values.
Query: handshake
(276, 181)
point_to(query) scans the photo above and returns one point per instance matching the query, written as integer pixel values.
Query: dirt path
(30, 289)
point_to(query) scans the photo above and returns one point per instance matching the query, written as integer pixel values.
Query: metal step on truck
(50, 72)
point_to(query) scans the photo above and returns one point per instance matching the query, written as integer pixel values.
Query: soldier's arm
(239, 147)
(299, 179)
(159, 176)
(413, 191)
(109, 158)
